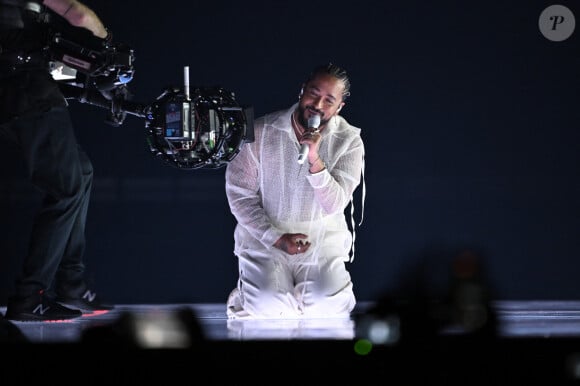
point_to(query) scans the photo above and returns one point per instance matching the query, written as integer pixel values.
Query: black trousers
(57, 166)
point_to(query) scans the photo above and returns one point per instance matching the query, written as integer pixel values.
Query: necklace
(295, 126)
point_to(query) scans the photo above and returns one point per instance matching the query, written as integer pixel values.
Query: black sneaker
(38, 308)
(87, 302)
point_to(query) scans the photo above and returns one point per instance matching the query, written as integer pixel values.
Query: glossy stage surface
(517, 319)
(530, 340)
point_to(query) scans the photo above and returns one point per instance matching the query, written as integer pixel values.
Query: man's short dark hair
(337, 72)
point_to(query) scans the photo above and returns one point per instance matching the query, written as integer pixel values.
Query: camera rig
(204, 128)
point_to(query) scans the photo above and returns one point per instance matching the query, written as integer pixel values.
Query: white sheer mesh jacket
(270, 194)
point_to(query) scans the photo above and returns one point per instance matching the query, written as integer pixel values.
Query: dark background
(469, 114)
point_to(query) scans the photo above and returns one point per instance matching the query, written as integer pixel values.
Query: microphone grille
(314, 121)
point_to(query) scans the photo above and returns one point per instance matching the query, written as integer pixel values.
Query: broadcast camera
(204, 128)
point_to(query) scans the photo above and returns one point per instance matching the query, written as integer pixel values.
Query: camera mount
(204, 128)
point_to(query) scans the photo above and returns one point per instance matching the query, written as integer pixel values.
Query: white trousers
(280, 286)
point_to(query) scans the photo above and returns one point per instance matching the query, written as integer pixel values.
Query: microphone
(313, 123)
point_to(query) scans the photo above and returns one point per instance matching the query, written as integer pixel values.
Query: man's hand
(293, 243)
(79, 15)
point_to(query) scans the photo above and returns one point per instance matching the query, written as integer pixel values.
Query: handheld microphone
(313, 123)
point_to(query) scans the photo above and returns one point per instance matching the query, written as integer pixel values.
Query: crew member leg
(70, 281)
(54, 166)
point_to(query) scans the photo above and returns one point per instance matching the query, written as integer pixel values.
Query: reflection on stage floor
(516, 319)
(531, 341)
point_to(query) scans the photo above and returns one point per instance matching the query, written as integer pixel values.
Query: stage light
(379, 330)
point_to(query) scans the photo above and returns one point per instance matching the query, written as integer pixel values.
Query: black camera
(90, 64)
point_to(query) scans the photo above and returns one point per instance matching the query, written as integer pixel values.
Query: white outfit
(270, 194)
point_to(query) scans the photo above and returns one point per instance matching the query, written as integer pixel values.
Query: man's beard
(304, 121)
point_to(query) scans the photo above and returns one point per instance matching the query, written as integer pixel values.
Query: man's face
(323, 96)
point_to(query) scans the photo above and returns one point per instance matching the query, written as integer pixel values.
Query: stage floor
(533, 341)
(515, 319)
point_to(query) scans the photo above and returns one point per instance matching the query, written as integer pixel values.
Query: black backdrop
(469, 114)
